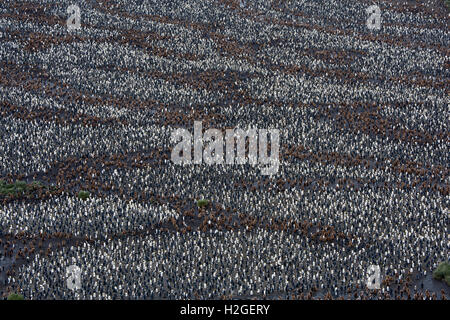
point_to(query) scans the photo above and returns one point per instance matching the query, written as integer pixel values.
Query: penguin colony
(363, 177)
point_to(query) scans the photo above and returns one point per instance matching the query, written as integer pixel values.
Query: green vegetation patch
(442, 272)
(83, 195)
(20, 189)
(15, 296)
(202, 203)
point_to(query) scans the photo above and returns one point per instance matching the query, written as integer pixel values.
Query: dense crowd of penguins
(363, 177)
